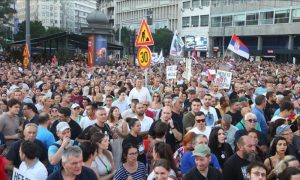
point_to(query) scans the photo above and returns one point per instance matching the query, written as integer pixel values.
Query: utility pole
(28, 30)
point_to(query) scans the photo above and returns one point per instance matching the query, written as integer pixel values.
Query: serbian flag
(238, 47)
(206, 72)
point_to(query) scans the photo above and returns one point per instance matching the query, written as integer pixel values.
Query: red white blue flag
(238, 47)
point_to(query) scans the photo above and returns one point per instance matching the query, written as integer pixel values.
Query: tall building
(108, 8)
(129, 13)
(270, 28)
(66, 14)
(193, 25)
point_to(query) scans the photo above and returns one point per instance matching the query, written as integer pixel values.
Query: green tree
(37, 30)
(53, 30)
(162, 40)
(6, 15)
(125, 36)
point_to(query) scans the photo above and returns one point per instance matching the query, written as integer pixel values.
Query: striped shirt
(122, 173)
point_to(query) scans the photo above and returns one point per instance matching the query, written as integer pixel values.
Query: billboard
(101, 50)
(197, 42)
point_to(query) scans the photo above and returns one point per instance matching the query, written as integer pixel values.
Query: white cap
(61, 126)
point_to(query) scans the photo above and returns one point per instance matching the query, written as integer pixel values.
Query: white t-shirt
(206, 132)
(146, 123)
(141, 95)
(274, 118)
(86, 122)
(210, 118)
(37, 171)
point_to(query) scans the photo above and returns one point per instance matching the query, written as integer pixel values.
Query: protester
(89, 154)
(256, 171)
(162, 170)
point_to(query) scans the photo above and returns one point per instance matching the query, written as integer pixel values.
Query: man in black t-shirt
(234, 111)
(235, 168)
(203, 170)
(13, 156)
(271, 105)
(173, 134)
(64, 115)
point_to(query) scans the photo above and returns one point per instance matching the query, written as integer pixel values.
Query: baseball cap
(75, 105)
(282, 128)
(201, 150)
(243, 99)
(61, 126)
(191, 90)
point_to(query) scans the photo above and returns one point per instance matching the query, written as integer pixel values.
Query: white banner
(177, 45)
(223, 79)
(17, 174)
(171, 72)
(187, 74)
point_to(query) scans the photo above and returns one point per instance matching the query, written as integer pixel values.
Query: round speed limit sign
(144, 56)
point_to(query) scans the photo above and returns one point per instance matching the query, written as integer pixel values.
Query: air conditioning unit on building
(192, 9)
(200, 7)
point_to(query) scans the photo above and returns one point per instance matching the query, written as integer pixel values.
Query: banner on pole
(223, 79)
(171, 72)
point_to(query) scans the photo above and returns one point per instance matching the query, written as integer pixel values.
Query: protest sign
(171, 72)
(223, 79)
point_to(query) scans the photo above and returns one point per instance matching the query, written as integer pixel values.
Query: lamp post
(28, 30)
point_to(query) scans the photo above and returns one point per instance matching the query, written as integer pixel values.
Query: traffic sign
(144, 38)
(144, 56)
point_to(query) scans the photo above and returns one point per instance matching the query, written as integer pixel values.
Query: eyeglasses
(199, 120)
(252, 120)
(77, 108)
(54, 110)
(133, 154)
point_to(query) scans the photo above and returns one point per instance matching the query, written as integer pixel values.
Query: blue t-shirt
(188, 162)
(45, 136)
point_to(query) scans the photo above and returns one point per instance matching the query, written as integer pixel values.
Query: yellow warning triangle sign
(144, 38)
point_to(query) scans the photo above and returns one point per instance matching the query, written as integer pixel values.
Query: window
(195, 21)
(204, 20)
(239, 20)
(205, 2)
(215, 21)
(266, 17)
(252, 19)
(282, 16)
(296, 15)
(185, 22)
(186, 5)
(195, 3)
(227, 21)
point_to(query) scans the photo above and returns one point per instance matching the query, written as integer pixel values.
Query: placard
(223, 79)
(171, 72)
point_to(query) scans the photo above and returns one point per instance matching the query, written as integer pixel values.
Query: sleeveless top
(102, 164)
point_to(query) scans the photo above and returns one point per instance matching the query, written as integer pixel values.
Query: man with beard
(271, 105)
(234, 111)
(146, 121)
(76, 97)
(210, 112)
(235, 168)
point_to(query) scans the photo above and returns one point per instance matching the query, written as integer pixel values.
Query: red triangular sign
(144, 38)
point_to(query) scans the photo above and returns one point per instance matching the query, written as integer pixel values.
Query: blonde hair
(284, 163)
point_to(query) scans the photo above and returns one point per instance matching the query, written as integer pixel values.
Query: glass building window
(215, 21)
(185, 22)
(204, 20)
(296, 15)
(239, 20)
(266, 17)
(227, 21)
(205, 2)
(195, 3)
(282, 16)
(195, 21)
(252, 19)
(186, 5)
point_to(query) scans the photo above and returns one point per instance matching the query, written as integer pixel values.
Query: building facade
(269, 28)
(129, 13)
(65, 14)
(193, 25)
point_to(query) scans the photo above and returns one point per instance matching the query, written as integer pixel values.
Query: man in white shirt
(200, 125)
(211, 116)
(90, 119)
(139, 92)
(130, 112)
(121, 102)
(146, 121)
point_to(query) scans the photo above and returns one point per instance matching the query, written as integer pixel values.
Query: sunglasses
(252, 120)
(200, 120)
(77, 108)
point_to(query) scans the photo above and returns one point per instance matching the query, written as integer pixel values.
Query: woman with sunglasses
(131, 168)
(104, 161)
(278, 150)
(156, 105)
(200, 125)
(218, 146)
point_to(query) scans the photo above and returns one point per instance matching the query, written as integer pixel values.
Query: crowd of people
(103, 122)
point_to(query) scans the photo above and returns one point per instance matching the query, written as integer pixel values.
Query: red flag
(209, 76)
(195, 54)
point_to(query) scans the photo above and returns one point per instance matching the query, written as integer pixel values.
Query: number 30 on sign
(144, 56)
